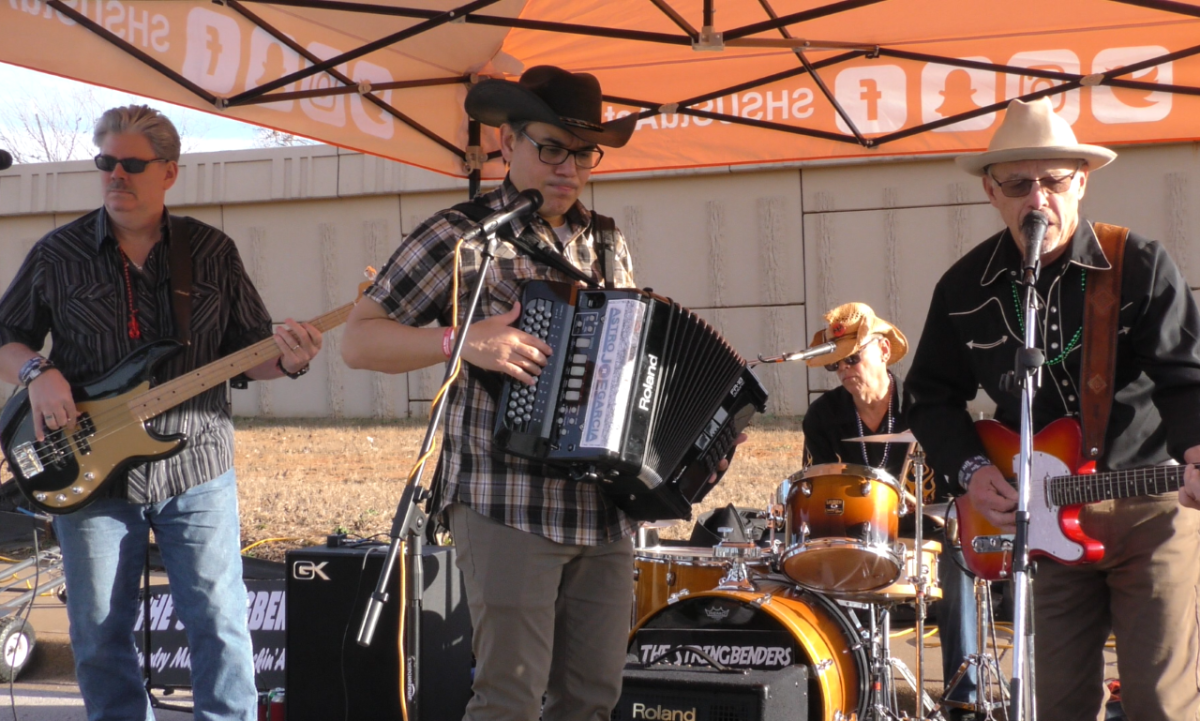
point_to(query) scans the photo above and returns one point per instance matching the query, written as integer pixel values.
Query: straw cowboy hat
(1032, 131)
(547, 94)
(850, 327)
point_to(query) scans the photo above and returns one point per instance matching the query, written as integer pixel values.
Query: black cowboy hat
(547, 94)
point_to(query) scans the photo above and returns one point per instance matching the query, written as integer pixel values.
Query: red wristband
(448, 342)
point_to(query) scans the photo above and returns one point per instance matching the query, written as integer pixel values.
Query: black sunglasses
(850, 360)
(133, 166)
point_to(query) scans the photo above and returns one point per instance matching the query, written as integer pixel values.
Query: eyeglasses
(850, 360)
(586, 158)
(1020, 187)
(133, 166)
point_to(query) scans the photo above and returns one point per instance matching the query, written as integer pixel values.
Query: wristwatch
(295, 375)
(33, 368)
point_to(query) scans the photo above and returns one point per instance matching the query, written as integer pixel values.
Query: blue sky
(203, 132)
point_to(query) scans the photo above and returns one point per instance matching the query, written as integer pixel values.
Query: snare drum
(904, 590)
(841, 528)
(664, 574)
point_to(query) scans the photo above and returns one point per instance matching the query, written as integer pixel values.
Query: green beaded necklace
(1021, 319)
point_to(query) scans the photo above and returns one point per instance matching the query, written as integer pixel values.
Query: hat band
(577, 123)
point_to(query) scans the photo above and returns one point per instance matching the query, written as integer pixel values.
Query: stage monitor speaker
(331, 678)
(688, 694)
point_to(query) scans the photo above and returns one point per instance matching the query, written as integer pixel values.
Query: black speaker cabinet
(331, 678)
(683, 694)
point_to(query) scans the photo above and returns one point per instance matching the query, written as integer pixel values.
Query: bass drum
(765, 631)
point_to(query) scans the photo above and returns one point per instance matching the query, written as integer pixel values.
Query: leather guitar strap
(607, 240)
(1101, 308)
(180, 262)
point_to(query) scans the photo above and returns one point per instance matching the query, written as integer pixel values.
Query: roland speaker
(331, 678)
(687, 694)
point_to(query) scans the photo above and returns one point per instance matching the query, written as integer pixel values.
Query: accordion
(641, 396)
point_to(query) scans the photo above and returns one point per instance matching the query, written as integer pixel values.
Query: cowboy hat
(547, 94)
(851, 327)
(1032, 131)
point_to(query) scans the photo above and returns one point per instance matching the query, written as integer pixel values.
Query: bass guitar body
(1054, 531)
(65, 472)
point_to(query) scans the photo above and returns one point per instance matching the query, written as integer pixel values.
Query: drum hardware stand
(409, 520)
(737, 578)
(884, 704)
(986, 665)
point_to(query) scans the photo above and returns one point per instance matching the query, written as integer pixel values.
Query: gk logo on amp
(309, 571)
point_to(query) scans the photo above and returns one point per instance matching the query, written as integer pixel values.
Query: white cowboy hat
(851, 327)
(1032, 131)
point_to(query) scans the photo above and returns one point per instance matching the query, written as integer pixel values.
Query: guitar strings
(58, 441)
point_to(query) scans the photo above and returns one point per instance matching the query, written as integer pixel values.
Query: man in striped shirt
(101, 285)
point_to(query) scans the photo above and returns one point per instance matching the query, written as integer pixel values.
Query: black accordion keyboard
(640, 396)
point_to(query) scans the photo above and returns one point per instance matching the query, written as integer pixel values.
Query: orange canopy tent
(715, 82)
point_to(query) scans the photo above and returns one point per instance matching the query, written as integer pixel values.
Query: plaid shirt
(414, 288)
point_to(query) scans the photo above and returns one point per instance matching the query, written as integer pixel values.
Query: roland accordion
(641, 396)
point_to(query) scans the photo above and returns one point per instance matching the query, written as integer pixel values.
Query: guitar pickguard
(1045, 532)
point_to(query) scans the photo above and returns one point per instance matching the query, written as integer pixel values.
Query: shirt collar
(103, 231)
(1084, 251)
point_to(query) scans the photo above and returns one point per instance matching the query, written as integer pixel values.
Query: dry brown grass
(301, 480)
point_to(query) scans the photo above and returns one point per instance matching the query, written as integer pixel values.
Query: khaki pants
(1145, 591)
(548, 618)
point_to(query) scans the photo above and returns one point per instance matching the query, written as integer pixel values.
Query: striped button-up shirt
(415, 288)
(72, 287)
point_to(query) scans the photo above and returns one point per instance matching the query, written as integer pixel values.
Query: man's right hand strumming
(51, 402)
(493, 344)
(991, 495)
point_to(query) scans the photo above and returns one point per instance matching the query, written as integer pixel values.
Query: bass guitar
(1061, 485)
(65, 472)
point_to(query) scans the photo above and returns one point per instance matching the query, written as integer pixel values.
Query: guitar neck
(170, 394)
(1089, 488)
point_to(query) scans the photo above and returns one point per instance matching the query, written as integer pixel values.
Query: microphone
(526, 204)
(805, 354)
(1034, 227)
(5, 160)
(811, 352)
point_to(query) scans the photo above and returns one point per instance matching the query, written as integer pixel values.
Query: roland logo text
(662, 713)
(647, 396)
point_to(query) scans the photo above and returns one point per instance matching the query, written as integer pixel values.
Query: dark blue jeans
(956, 621)
(104, 549)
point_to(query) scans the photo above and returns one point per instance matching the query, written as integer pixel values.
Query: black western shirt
(832, 418)
(974, 329)
(72, 287)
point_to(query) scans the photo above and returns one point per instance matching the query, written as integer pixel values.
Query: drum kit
(819, 591)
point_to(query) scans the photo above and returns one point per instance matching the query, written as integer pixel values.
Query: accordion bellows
(641, 396)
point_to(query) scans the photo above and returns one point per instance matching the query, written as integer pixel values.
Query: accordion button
(571, 396)
(574, 383)
(579, 358)
(576, 370)
(526, 417)
(583, 342)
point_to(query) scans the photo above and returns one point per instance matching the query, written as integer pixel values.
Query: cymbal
(901, 437)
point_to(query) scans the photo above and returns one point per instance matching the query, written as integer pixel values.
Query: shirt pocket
(92, 309)
(206, 308)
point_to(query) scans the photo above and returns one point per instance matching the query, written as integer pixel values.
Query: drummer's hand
(724, 463)
(993, 497)
(1189, 494)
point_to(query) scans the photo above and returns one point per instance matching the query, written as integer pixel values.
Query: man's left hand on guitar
(298, 343)
(1189, 493)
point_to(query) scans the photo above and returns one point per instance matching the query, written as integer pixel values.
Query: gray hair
(144, 120)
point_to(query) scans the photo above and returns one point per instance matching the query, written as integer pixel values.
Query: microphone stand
(1025, 377)
(409, 522)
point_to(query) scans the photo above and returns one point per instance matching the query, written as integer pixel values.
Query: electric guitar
(1060, 487)
(64, 472)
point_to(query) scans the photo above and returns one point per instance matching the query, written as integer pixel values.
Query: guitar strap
(180, 261)
(1101, 308)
